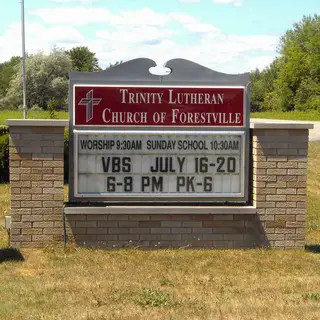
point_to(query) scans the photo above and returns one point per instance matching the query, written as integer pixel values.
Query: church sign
(147, 140)
(153, 106)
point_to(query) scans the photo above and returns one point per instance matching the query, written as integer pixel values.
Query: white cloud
(83, 2)
(236, 3)
(84, 16)
(189, 1)
(192, 24)
(38, 38)
(137, 35)
(202, 28)
(230, 54)
(239, 44)
(183, 18)
(143, 16)
(260, 62)
(64, 34)
(141, 33)
(73, 16)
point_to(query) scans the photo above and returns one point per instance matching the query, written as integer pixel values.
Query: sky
(231, 36)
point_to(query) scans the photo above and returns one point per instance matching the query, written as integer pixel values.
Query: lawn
(296, 115)
(313, 115)
(133, 284)
(9, 114)
(313, 205)
(4, 210)
(77, 283)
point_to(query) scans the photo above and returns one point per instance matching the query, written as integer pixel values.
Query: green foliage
(308, 95)
(262, 87)
(36, 114)
(83, 59)
(4, 157)
(53, 106)
(51, 109)
(257, 91)
(292, 81)
(155, 298)
(312, 297)
(47, 78)
(66, 155)
(3, 130)
(7, 72)
(310, 115)
(299, 49)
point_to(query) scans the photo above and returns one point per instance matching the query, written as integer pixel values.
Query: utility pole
(23, 62)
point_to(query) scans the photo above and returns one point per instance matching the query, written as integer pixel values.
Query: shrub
(4, 157)
(3, 130)
(66, 155)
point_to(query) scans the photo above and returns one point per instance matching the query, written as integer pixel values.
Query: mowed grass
(313, 115)
(10, 114)
(77, 283)
(132, 284)
(313, 192)
(295, 115)
(4, 211)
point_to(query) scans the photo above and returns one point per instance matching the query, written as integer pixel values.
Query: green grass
(57, 283)
(9, 114)
(294, 115)
(4, 211)
(78, 283)
(313, 193)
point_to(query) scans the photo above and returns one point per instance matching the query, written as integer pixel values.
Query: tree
(292, 81)
(257, 91)
(262, 87)
(8, 70)
(47, 79)
(308, 95)
(299, 49)
(83, 59)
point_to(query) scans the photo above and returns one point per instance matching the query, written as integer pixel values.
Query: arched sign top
(182, 71)
(136, 70)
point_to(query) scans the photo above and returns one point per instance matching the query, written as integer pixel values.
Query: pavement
(314, 134)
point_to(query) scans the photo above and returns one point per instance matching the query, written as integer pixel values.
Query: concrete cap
(279, 124)
(254, 124)
(161, 210)
(36, 123)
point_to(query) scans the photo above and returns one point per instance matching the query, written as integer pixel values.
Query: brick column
(279, 182)
(36, 181)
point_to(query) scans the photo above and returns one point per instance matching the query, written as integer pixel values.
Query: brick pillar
(36, 181)
(279, 183)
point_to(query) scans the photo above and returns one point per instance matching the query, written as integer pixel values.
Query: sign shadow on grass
(314, 248)
(10, 254)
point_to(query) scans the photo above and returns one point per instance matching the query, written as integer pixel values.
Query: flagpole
(23, 62)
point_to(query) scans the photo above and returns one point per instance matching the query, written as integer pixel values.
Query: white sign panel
(159, 164)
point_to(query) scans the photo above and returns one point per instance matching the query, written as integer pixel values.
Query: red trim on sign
(158, 106)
